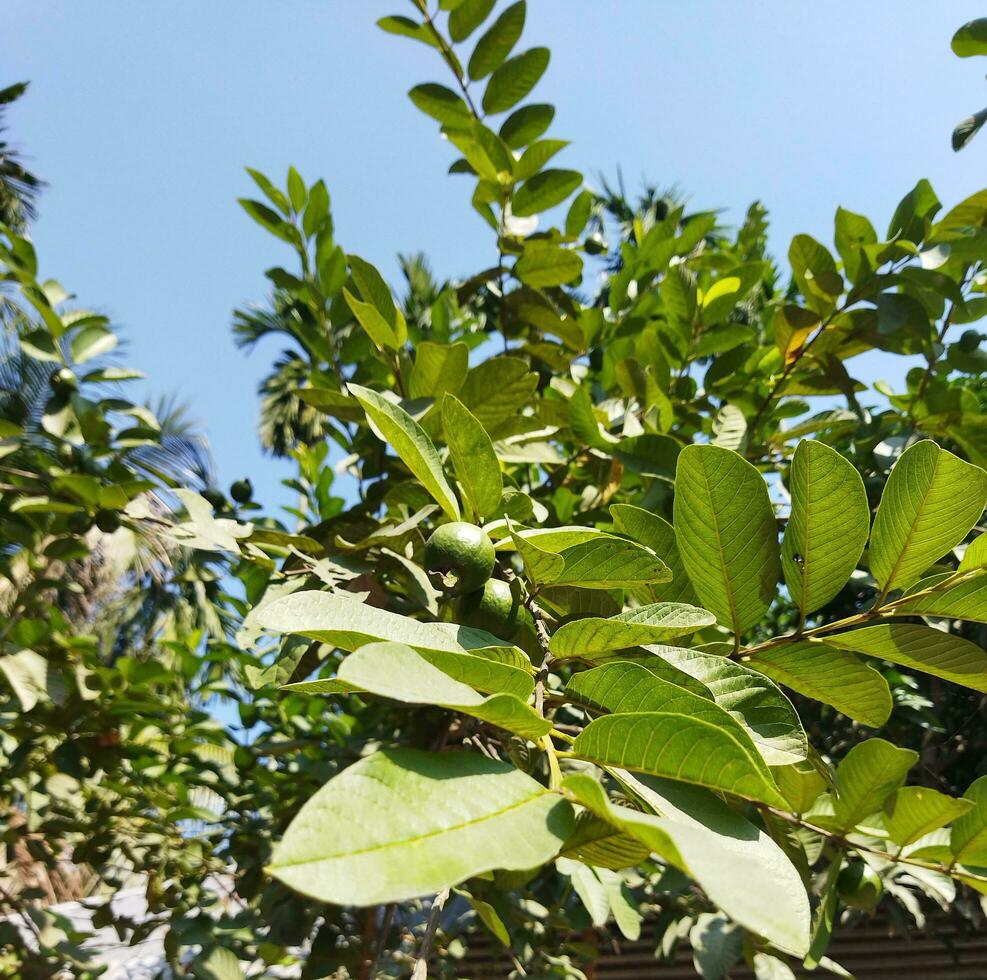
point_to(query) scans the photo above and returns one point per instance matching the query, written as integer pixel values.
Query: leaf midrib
(407, 841)
(911, 530)
(719, 550)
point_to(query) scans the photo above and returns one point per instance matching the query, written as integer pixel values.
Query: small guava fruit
(860, 886)
(241, 491)
(459, 557)
(494, 609)
(107, 521)
(63, 381)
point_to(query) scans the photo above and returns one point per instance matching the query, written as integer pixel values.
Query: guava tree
(596, 569)
(634, 602)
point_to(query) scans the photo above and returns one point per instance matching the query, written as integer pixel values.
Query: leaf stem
(842, 841)
(858, 619)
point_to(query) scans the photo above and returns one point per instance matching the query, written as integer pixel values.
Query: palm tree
(285, 420)
(19, 187)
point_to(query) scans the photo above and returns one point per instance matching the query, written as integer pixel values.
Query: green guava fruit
(459, 557)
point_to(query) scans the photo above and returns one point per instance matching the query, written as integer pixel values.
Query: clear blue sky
(142, 116)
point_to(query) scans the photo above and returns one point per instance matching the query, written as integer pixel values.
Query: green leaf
(726, 533)
(965, 600)
(679, 746)
(915, 811)
(439, 368)
(440, 103)
(543, 191)
(268, 219)
(867, 776)
(275, 196)
(654, 623)
(374, 290)
(967, 128)
(975, 555)
(297, 193)
(800, 783)
(814, 270)
(768, 716)
(738, 865)
(498, 42)
(218, 964)
(852, 231)
(717, 944)
(544, 264)
(914, 214)
(931, 500)
(729, 428)
(491, 919)
(395, 671)
(600, 844)
(526, 124)
(922, 648)
(470, 655)
(403, 823)
(370, 318)
(657, 534)
(589, 888)
(553, 539)
(831, 676)
(90, 342)
(496, 391)
(30, 676)
(317, 209)
(623, 686)
(623, 905)
(968, 837)
(825, 916)
(514, 79)
(828, 527)
(610, 563)
(473, 456)
(467, 17)
(412, 445)
(406, 27)
(970, 39)
(540, 565)
(579, 214)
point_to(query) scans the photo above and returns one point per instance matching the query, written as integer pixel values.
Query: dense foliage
(632, 602)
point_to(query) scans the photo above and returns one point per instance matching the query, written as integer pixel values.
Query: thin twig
(420, 971)
(385, 928)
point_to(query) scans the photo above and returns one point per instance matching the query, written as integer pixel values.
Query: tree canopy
(709, 651)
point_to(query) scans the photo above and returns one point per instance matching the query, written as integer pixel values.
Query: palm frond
(19, 188)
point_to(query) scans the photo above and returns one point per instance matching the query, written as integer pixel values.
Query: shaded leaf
(915, 811)
(646, 624)
(931, 500)
(751, 698)
(922, 648)
(410, 442)
(726, 534)
(741, 869)
(473, 456)
(868, 774)
(828, 527)
(831, 676)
